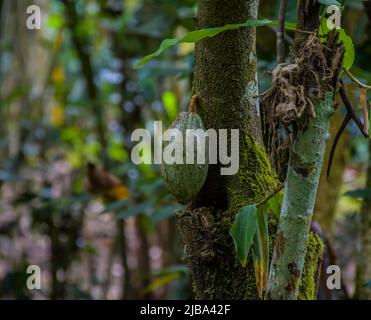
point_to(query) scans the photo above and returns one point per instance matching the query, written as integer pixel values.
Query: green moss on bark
(209, 253)
(254, 171)
(313, 258)
(298, 203)
(217, 274)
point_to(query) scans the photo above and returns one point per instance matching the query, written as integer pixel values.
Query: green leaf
(161, 281)
(170, 102)
(329, 2)
(364, 194)
(261, 250)
(243, 231)
(165, 276)
(350, 53)
(198, 35)
(288, 25)
(275, 203)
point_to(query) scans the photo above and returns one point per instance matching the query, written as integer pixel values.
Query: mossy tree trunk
(226, 87)
(329, 190)
(297, 206)
(306, 156)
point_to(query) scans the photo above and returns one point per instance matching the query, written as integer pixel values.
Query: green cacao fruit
(184, 181)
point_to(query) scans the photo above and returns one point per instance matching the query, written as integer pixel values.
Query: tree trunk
(307, 153)
(226, 88)
(329, 189)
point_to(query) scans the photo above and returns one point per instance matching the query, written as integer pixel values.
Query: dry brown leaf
(363, 101)
(101, 182)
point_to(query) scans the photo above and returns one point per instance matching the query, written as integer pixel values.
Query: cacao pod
(184, 181)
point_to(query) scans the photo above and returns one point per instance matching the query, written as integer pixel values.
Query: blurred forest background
(69, 101)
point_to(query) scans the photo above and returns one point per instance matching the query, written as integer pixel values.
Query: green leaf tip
(198, 35)
(243, 231)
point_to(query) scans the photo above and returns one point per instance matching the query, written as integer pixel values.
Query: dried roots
(288, 103)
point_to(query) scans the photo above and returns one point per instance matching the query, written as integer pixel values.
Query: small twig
(351, 115)
(351, 110)
(265, 200)
(363, 101)
(359, 83)
(305, 31)
(281, 50)
(192, 105)
(345, 122)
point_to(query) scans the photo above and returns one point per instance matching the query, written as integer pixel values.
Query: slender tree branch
(345, 122)
(122, 247)
(281, 50)
(355, 80)
(351, 109)
(351, 115)
(363, 101)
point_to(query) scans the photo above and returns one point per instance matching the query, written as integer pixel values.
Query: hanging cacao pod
(185, 180)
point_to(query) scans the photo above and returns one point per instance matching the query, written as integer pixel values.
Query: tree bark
(329, 189)
(306, 157)
(297, 206)
(226, 87)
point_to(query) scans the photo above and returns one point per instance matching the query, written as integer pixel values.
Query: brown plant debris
(288, 103)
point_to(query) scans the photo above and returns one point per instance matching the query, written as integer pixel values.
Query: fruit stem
(192, 105)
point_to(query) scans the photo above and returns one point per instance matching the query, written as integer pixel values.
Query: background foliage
(70, 95)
